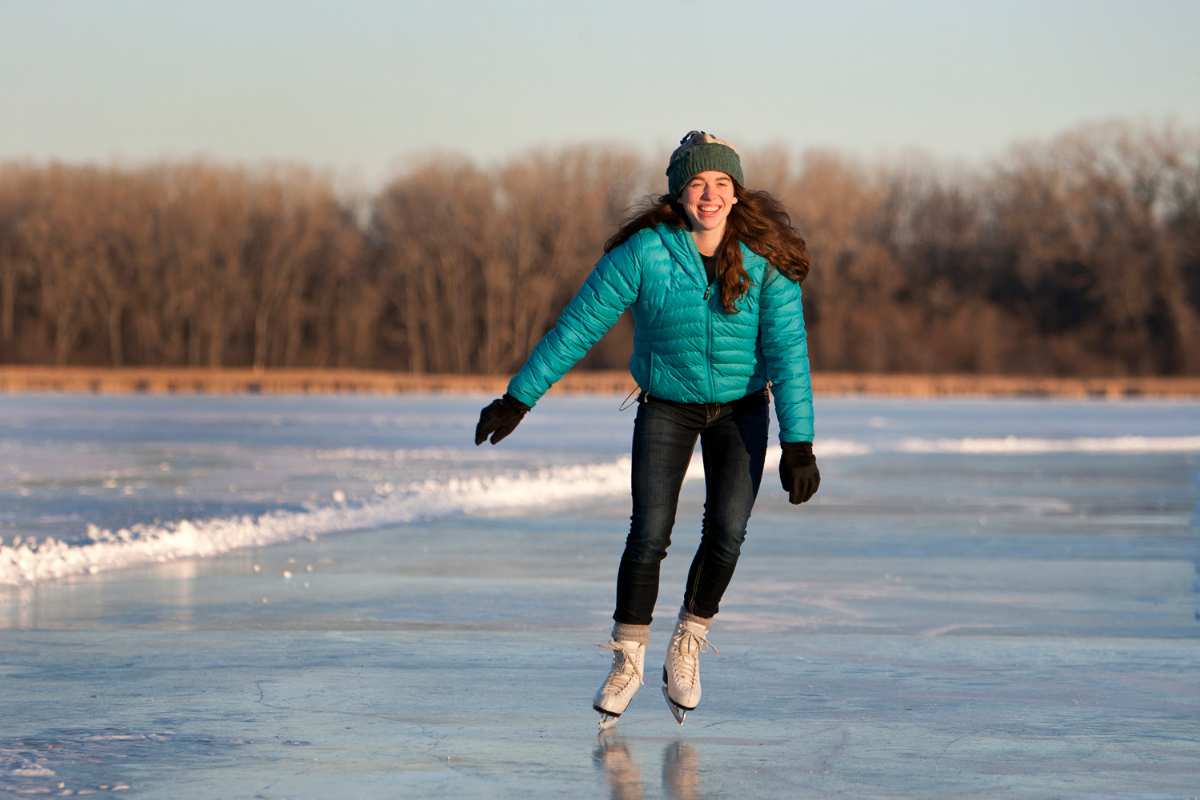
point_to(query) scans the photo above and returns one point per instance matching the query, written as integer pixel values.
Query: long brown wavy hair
(757, 220)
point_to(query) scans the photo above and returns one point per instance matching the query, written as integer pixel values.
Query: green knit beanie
(699, 151)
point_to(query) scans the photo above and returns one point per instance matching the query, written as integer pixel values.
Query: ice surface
(1020, 444)
(941, 622)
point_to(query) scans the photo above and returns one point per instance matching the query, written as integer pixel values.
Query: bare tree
(1080, 255)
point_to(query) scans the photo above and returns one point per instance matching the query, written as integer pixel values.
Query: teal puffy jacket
(686, 347)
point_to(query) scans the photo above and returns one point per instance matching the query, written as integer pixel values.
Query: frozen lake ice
(311, 597)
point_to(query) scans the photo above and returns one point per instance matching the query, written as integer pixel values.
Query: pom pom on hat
(699, 151)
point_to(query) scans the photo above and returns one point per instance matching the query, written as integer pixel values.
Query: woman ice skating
(712, 270)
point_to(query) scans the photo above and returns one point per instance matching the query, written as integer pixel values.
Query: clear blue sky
(362, 86)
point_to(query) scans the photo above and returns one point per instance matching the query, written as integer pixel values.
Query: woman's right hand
(500, 418)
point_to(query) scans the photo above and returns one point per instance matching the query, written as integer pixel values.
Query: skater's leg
(623, 632)
(664, 437)
(690, 619)
(734, 448)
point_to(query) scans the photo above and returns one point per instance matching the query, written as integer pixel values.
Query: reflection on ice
(620, 771)
(680, 769)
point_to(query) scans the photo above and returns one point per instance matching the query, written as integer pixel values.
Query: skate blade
(677, 711)
(607, 719)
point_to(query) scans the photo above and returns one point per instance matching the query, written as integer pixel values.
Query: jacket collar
(682, 247)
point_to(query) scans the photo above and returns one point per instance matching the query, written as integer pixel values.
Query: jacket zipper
(698, 262)
(708, 355)
(708, 320)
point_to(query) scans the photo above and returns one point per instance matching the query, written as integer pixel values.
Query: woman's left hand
(798, 472)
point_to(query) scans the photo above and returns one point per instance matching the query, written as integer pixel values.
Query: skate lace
(624, 667)
(684, 654)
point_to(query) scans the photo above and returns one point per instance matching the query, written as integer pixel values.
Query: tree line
(1079, 255)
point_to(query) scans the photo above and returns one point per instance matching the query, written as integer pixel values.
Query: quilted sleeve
(785, 352)
(611, 288)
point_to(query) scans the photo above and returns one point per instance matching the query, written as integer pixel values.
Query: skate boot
(623, 681)
(681, 670)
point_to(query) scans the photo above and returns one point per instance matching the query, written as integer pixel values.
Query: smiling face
(707, 198)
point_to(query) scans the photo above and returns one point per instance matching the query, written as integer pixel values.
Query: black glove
(500, 419)
(798, 471)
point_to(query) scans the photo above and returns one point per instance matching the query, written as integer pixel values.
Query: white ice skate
(681, 670)
(622, 683)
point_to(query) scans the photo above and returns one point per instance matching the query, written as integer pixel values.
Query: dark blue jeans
(733, 442)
